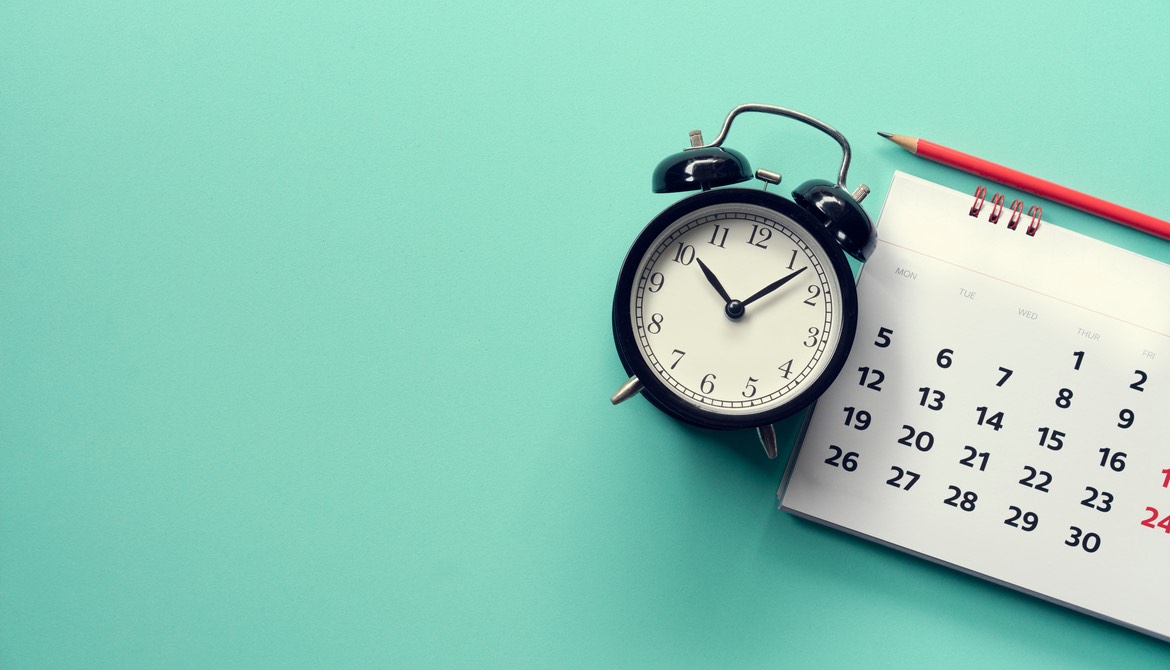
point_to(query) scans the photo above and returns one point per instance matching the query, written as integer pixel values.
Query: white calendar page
(1004, 410)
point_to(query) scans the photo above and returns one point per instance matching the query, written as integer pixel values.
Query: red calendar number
(1166, 481)
(1148, 522)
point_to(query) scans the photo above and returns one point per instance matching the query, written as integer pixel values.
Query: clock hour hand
(772, 287)
(713, 280)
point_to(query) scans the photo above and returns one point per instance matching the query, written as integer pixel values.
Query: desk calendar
(1004, 408)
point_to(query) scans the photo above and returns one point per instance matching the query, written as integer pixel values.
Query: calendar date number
(1114, 460)
(922, 441)
(1025, 521)
(964, 500)
(1102, 501)
(902, 479)
(1090, 542)
(1049, 438)
(1152, 520)
(1036, 479)
(989, 418)
(846, 460)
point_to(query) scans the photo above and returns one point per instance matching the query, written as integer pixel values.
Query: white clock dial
(736, 308)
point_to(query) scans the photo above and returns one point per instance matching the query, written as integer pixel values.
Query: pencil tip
(908, 143)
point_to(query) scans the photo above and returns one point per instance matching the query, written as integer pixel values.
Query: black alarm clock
(736, 307)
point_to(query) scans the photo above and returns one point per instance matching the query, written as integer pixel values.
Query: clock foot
(627, 390)
(768, 439)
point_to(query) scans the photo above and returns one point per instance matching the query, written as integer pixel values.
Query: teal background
(305, 356)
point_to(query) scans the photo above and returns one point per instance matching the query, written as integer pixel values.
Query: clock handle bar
(792, 114)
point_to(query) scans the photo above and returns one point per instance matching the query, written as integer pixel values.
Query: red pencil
(1034, 185)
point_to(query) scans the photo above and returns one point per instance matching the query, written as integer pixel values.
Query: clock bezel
(662, 395)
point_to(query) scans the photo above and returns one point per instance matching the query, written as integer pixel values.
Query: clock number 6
(707, 386)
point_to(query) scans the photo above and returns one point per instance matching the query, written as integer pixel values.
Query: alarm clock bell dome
(840, 214)
(704, 168)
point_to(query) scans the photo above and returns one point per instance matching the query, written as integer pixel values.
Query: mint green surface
(305, 352)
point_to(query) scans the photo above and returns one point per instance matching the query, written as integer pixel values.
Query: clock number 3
(814, 335)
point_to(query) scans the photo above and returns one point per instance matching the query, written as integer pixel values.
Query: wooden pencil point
(908, 143)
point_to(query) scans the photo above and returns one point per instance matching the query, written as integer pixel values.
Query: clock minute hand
(772, 287)
(713, 280)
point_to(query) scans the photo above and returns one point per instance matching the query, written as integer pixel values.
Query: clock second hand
(772, 287)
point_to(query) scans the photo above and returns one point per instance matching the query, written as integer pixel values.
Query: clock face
(738, 310)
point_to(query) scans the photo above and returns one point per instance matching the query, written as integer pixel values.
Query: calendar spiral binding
(1016, 208)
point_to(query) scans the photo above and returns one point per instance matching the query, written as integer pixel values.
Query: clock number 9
(656, 281)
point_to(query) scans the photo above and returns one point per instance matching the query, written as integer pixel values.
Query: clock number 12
(764, 234)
